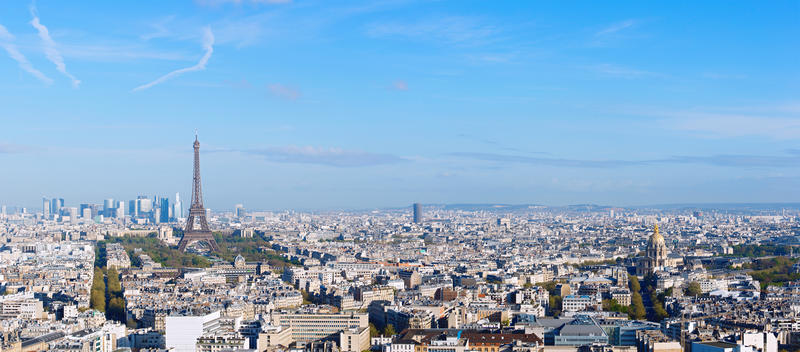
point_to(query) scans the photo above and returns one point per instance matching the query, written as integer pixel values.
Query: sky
(314, 105)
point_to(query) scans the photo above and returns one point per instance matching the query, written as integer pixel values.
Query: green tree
(633, 283)
(636, 311)
(611, 305)
(373, 331)
(97, 296)
(389, 330)
(116, 309)
(694, 289)
(658, 313)
(555, 305)
(114, 287)
(97, 300)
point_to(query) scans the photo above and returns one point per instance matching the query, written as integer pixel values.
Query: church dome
(656, 239)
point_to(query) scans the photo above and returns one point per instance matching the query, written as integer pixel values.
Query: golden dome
(656, 238)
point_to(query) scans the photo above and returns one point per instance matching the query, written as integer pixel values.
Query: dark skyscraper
(164, 205)
(417, 213)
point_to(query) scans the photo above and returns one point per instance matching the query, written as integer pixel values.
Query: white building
(182, 332)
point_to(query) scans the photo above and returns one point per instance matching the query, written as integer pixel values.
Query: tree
(633, 283)
(636, 311)
(389, 330)
(373, 331)
(555, 305)
(97, 297)
(114, 287)
(694, 289)
(97, 300)
(116, 309)
(659, 313)
(611, 305)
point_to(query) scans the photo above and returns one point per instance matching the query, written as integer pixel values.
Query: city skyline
(412, 101)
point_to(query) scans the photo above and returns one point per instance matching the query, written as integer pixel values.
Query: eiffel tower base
(198, 236)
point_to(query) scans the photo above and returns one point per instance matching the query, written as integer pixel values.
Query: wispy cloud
(622, 71)
(721, 125)
(239, 2)
(616, 27)
(159, 29)
(792, 160)
(6, 41)
(400, 85)
(208, 45)
(716, 75)
(50, 49)
(283, 91)
(614, 33)
(452, 30)
(324, 156)
(7, 148)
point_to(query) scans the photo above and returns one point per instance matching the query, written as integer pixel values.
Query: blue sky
(346, 104)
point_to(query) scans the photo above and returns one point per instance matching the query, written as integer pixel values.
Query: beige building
(308, 327)
(354, 340)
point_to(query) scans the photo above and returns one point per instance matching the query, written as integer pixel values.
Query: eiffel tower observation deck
(197, 229)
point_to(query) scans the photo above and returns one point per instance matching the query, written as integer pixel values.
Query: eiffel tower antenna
(196, 224)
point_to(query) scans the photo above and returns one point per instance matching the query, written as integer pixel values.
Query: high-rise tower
(196, 224)
(417, 213)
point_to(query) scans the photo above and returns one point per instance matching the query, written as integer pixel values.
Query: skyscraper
(119, 212)
(55, 205)
(83, 210)
(164, 205)
(417, 213)
(133, 208)
(177, 213)
(45, 207)
(108, 207)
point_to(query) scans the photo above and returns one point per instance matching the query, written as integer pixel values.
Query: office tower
(239, 210)
(3, 211)
(145, 205)
(119, 210)
(83, 207)
(46, 207)
(196, 224)
(73, 214)
(156, 217)
(164, 213)
(56, 205)
(177, 213)
(86, 213)
(108, 207)
(133, 208)
(417, 213)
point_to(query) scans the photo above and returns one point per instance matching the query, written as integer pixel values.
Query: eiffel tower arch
(196, 224)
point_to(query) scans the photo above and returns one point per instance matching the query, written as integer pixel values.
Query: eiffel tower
(196, 224)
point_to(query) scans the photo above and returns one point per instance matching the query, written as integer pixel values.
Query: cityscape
(197, 243)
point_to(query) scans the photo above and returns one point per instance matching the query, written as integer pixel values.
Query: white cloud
(50, 49)
(208, 45)
(616, 27)
(723, 125)
(239, 2)
(400, 85)
(284, 92)
(324, 156)
(623, 72)
(453, 30)
(6, 42)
